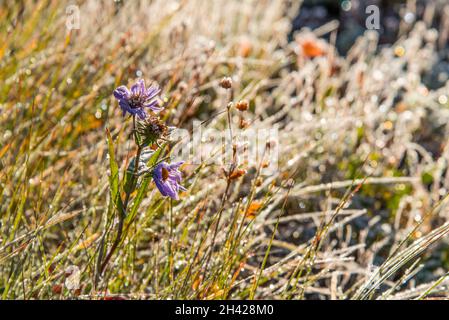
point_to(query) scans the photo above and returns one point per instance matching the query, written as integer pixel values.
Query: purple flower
(167, 178)
(135, 101)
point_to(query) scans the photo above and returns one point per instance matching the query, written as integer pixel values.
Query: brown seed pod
(242, 105)
(253, 209)
(265, 164)
(226, 83)
(237, 174)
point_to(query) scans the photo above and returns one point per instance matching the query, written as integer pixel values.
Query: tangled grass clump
(357, 208)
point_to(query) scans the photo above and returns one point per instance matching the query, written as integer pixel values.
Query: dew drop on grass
(7, 134)
(179, 264)
(409, 17)
(72, 280)
(442, 99)
(378, 75)
(346, 5)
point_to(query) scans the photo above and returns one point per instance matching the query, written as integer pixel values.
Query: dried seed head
(310, 46)
(237, 174)
(242, 105)
(150, 130)
(253, 209)
(226, 83)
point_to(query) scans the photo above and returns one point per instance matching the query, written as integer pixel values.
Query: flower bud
(242, 105)
(226, 83)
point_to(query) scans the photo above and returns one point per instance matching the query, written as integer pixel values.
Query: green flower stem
(122, 214)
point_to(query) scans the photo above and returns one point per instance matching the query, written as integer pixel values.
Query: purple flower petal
(125, 105)
(141, 113)
(153, 105)
(176, 165)
(152, 92)
(121, 93)
(138, 88)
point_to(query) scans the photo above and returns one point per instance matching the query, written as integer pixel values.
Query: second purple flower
(168, 178)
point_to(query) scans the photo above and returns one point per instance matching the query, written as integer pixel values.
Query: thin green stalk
(122, 214)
